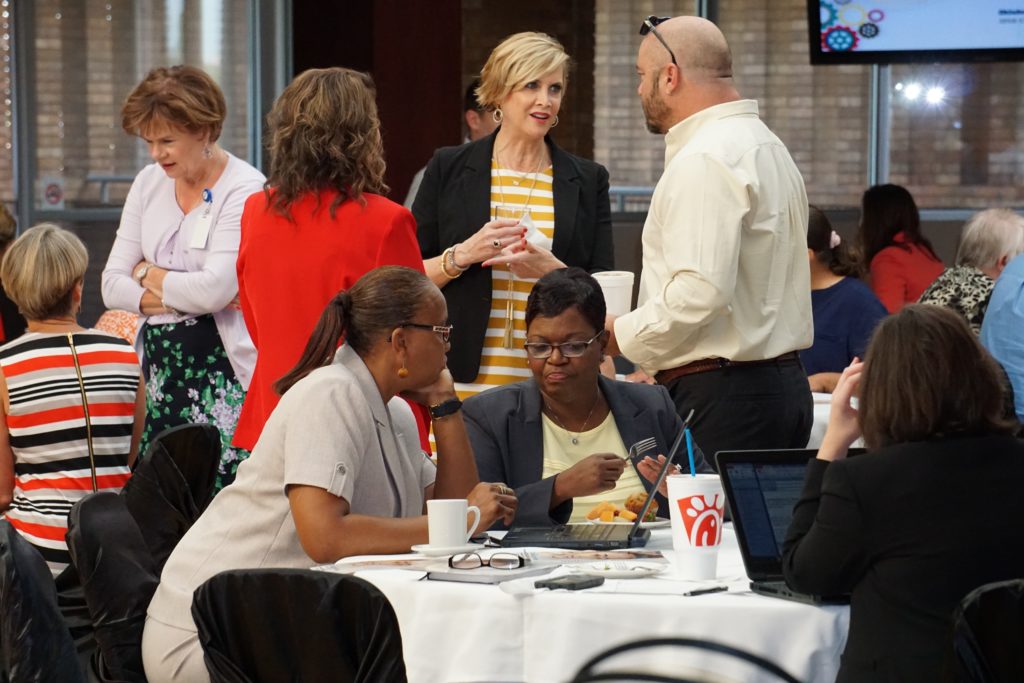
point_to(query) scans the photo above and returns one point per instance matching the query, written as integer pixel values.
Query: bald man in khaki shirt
(724, 299)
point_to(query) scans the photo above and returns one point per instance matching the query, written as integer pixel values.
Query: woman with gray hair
(990, 240)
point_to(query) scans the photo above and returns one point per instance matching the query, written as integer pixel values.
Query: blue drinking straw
(689, 451)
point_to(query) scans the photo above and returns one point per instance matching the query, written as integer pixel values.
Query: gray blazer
(504, 426)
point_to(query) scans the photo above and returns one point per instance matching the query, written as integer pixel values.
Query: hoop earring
(208, 153)
(497, 115)
(556, 121)
(403, 371)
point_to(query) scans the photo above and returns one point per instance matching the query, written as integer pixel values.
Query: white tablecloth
(822, 408)
(457, 632)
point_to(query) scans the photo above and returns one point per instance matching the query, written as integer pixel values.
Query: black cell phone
(570, 583)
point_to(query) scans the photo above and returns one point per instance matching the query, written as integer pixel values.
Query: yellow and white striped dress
(526, 193)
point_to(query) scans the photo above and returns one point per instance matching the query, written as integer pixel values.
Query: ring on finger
(496, 244)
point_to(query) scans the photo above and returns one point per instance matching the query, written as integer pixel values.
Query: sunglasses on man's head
(650, 26)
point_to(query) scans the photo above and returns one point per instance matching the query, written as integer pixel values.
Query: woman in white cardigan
(173, 260)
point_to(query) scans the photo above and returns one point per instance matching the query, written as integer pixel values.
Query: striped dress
(49, 434)
(524, 193)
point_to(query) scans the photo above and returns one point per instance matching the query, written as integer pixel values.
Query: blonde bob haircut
(40, 271)
(517, 60)
(183, 96)
(989, 236)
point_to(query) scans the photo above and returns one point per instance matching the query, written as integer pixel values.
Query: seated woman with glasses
(561, 439)
(338, 469)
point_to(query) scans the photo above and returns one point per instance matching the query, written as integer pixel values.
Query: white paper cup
(617, 286)
(696, 505)
(447, 520)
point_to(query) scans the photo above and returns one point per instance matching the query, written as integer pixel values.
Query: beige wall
(966, 153)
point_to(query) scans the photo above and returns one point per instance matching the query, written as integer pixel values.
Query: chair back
(118, 577)
(196, 450)
(35, 644)
(299, 625)
(172, 485)
(988, 634)
(589, 671)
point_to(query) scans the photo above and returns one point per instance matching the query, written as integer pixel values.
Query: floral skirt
(189, 379)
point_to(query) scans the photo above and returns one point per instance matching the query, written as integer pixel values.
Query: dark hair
(469, 101)
(562, 289)
(885, 211)
(839, 259)
(377, 303)
(926, 376)
(8, 228)
(324, 134)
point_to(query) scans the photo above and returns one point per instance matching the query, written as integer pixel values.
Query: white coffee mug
(447, 521)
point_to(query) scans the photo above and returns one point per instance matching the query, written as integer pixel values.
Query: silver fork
(642, 446)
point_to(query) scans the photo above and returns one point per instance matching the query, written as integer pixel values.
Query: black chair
(196, 450)
(118, 577)
(172, 485)
(35, 644)
(297, 625)
(588, 672)
(988, 634)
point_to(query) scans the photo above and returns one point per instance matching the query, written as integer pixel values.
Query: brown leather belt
(709, 364)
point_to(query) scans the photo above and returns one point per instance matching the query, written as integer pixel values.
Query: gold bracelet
(444, 268)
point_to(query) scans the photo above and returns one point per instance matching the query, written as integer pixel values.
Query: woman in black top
(932, 511)
(494, 215)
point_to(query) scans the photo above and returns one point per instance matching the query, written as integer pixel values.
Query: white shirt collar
(681, 133)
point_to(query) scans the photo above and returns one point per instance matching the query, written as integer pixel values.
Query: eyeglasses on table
(495, 561)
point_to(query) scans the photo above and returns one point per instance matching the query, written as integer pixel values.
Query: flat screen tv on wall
(904, 31)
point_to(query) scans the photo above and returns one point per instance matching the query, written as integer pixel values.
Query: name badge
(201, 232)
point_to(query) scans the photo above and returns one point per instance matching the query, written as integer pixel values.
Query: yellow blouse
(560, 454)
(528, 195)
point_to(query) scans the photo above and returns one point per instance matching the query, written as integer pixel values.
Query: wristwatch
(140, 274)
(445, 408)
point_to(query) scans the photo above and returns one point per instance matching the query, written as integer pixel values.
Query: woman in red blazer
(317, 227)
(901, 260)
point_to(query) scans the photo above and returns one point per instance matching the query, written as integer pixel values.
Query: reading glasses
(570, 349)
(495, 561)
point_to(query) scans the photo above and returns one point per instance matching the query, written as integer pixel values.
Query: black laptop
(592, 536)
(762, 487)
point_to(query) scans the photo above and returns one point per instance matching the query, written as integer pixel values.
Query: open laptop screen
(763, 498)
(762, 488)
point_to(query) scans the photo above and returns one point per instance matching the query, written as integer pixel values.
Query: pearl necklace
(575, 439)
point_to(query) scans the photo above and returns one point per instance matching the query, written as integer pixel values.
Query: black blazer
(506, 433)
(909, 530)
(453, 202)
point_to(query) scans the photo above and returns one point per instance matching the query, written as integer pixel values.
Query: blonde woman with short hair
(173, 260)
(495, 215)
(71, 399)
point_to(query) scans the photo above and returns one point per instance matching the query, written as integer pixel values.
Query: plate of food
(620, 569)
(609, 513)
